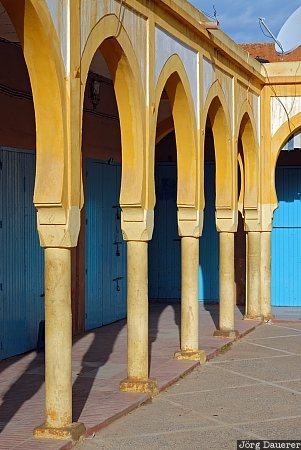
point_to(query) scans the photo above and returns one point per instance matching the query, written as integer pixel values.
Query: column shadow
(32, 377)
(23, 389)
(157, 308)
(96, 356)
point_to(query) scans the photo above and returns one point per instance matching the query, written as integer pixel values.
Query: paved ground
(285, 313)
(98, 366)
(252, 391)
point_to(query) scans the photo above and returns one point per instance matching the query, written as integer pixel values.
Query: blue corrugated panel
(120, 255)
(21, 257)
(105, 249)
(165, 247)
(108, 269)
(286, 239)
(209, 243)
(94, 231)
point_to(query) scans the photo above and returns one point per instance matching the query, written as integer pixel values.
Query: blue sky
(239, 18)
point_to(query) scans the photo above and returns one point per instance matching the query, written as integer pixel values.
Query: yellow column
(253, 276)
(189, 301)
(266, 308)
(137, 320)
(58, 348)
(227, 287)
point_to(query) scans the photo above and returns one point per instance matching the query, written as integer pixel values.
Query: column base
(148, 386)
(193, 355)
(268, 317)
(228, 334)
(253, 317)
(71, 432)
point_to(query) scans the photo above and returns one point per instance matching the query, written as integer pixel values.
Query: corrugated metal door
(119, 252)
(209, 243)
(165, 247)
(105, 249)
(21, 257)
(286, 239)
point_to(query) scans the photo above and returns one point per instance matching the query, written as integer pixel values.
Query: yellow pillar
(58, 348)
(189, 301)
(227, 287)
(253, 276)
(266, 307)
(137, 320)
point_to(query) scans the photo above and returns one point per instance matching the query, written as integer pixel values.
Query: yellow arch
(216, 110)
(277, 143)
(42, 54)
(174, 79)
(241, 194)
(245, 131)
(124, 68)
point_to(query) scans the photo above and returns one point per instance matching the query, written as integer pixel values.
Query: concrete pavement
(252, 391)
(99, 363)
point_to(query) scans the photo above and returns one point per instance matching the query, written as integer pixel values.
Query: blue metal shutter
(209, 243)
(165, 246)
(286, 239)
(21, 257)
(120, 287)
(94, 229)
(105, 249)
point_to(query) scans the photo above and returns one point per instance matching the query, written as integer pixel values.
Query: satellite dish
(289, 36)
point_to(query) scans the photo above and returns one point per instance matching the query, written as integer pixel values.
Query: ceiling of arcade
(7, 30)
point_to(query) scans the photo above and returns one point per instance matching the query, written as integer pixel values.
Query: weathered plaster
(226, 82)
(256, 112)
(133, 23)
(59, 10)
(282, 109)
(167, 45)
(208, 77)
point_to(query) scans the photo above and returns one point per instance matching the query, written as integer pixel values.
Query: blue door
(165, 246)
(21, 257)
(209, 243)
(105, 249)
(286, 239)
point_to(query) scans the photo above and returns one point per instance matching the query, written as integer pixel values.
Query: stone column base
(268, 317)
(71, 432)
(148, 386)
(229, 334)
(197, 355)
(253, 317)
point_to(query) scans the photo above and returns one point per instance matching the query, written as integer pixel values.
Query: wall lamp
(95, 91)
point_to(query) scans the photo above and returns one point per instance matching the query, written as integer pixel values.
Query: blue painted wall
(286, 239)
(21, 257)
(105, 249)
(165, 247)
